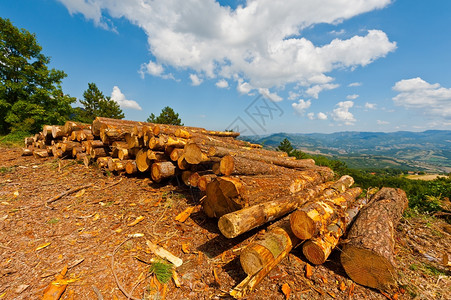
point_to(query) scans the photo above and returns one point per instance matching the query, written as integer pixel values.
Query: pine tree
(285, 146)
(167, 116)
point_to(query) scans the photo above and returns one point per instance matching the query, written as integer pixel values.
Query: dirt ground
(83, 229)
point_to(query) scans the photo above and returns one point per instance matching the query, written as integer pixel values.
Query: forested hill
(406, 149)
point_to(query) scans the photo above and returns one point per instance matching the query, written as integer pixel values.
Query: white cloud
(222, 84)
(152, 69)
(261, 40)
(370, 105)
(119, 97)
(311, 116)
(322, 116)
(243, 87)
(268, 95)
(195, 80)
(293, 96)
(352, 97)
(339, 32)
(342, 114)
(430, 99)
(316, 89)
(301, 106)
(354, 84)
(380, 122)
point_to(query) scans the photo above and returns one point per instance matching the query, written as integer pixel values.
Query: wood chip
(163, 253)
(136, 221)
(308, 271)
(286, 290)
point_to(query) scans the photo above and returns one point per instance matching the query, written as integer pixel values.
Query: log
(67, 147)
(270, 249)
(58, 131)
(194, 154)
(27, 152)
(367, 256)
(204, 180)
(76, 150)
(176, 153)
(185, 177)
(130, 167)
(318, 249)
(235, 223)
(228, 194)
(156, 155)
(102, 162)
(235, 165)
(47, 132)
(110, 133)
(40, 153)
(162, 170)
(87, 160)
(254, 155)
(313, 217)
(120, 165)
(99, 121)
(112, 163)
(143, 163)
(98, 152)
(71, 126)
(81, 156)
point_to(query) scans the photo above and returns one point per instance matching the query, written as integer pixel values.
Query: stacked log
(245, 187)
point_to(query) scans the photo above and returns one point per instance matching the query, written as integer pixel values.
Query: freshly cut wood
(82, 135)
(367, 256)
(204, 180)
(133, 141)
(235, 165)
(143, 162)
(194, 154)
(76, 150)
(313, 217)
(27, 152)
(40, 153)
(170, 141)
(47, 131)
(156, 155)
(93, 144)
(69, 145)
(185, 177)
(274, 245)
(112, 163)
(29, 141)
(193, 179)
(123, 154)
(71, 126)
(318, 249)
(120, 165)
(99, 121)
(130, 167)
(182, 164)
(228, 194)
(162, 170)
(87, 160)
(253, 155)
(80, 156)
(98, 152)
(110, 133)
(176, 153)
(58, 131)
(235, 223)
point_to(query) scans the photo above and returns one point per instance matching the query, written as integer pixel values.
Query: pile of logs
(246, 187)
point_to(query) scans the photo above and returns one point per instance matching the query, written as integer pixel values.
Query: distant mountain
(429, 150)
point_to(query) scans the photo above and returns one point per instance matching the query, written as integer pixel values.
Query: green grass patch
(162, 270)
(5, 170)
(53, 221)
(14, 139)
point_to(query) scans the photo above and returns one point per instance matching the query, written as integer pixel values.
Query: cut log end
(227, 226)
(314, 253)
(302, 225)
(254, 258)
(368, 268)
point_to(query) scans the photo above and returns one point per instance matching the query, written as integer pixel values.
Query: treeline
(424, 196)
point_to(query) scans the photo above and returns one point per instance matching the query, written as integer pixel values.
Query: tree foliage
(167, 116)
(30, 92)
(285, 146)
(95, 104)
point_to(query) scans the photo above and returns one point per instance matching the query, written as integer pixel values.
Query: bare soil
(83, 229)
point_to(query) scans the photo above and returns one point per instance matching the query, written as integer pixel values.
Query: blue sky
(257, 66)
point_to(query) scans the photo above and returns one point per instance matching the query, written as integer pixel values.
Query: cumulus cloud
(261, 40)
(322, 116)
(243, 87)
(354, 84)
(342, 114)
(431, 99)
(301, 106)
(195, 80)
(311, 116)
(222, 84)
(316, 89)
(352, 97)
(370, 105)
(119, 97)
(268, 95)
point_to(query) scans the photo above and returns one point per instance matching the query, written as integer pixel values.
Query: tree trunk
(162, 170)
(318, 249)
(204, 180)
(313, 217)
(367, 256)
(241, 221)
(102, 162)
(256, 156)
(175, 154)
(143, 163)
(58, 131)
(98, 152)
(228, 194)
(130, 167)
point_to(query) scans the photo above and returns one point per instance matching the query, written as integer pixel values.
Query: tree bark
(98, 152)
(235, 223)
(228, 194)
(318, 249)
(313, 217)
(162, 170)
(367, 256)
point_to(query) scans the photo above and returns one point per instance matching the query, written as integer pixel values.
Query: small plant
(162, 270)
(53, 221)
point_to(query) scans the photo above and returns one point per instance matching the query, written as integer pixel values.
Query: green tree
(95, 104)
(285, 146)
(30, 92)
(167, 116)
